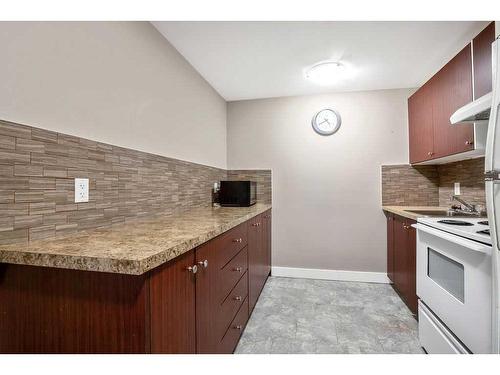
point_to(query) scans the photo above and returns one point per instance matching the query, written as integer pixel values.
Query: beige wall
(116, 82)
(326, 190)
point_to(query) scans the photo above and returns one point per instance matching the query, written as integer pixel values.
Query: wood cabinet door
(452, 89)
(390, 247)
(404, 264)
(481, 52)
(411, 273)
(420, 125)
(206, 299)
(400, 255)
(267, 240)
(173, 325)
(255, 259)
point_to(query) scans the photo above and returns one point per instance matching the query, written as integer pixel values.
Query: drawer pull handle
(238, 269)
(237, 298)
(256, 224)
(192, 269)
(203, 263)
(238, 327)
(469, 143)
(238, 240)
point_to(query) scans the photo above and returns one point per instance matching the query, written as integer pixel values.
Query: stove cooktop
(455, 222)
(474, 228)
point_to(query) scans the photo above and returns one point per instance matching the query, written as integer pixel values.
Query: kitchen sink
(443, 213)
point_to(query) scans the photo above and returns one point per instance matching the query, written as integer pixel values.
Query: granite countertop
(132, 248)
(403, 210)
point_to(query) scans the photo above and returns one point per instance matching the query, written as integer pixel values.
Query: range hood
(476, 111)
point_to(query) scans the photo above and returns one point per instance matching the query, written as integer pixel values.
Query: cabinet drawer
(230, 243)
(230, 306)
(235, 329)
(231, 273)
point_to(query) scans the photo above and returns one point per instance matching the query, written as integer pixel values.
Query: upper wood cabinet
(481, 47)
(452, 89)
(463, 78)
(420, 124)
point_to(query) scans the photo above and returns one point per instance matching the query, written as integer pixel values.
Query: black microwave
(237, 193)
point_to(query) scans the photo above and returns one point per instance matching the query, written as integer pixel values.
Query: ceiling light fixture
(327, 72)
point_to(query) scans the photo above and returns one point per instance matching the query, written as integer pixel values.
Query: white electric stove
(476, 229)
(454, 285)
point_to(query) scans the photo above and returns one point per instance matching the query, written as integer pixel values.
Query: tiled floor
(317, 316)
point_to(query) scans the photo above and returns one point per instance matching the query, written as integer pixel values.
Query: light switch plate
(457, 188)
(81, 190)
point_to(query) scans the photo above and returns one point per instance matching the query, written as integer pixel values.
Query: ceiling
(249, 60)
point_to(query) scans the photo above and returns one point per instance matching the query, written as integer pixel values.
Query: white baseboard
(311, 273)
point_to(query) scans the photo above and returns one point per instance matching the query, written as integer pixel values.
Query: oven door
(454, 281)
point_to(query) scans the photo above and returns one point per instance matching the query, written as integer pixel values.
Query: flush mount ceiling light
(327, 72)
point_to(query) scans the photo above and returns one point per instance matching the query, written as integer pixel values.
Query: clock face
(326, 122)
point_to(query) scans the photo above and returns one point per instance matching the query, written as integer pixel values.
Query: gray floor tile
(318, 316)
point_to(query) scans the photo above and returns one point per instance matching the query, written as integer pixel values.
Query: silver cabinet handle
(237, 298)
(238, 269)
(469, 143)
(238, 327)
(203, 263)
(192, 269)
(237, 240)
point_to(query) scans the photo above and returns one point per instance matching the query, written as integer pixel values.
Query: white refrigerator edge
(492, 187)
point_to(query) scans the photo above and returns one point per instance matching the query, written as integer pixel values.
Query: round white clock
(326, 122)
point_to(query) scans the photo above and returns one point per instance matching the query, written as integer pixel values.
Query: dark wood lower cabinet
(195, 303)
(206, 294)
(48, 310)
(401, 258)
(390, 246)
(173, 327)
(259, 255)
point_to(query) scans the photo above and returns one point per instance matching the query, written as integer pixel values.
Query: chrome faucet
(471, 208)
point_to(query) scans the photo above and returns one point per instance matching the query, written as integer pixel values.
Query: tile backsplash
(433, 185)
(470, 174)
(404, 185)
(37, 171)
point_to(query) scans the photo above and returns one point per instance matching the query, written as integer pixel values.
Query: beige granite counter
(403, 210)
(133, 248)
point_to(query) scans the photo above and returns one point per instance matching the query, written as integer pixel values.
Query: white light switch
(457, 188)
(81, 190)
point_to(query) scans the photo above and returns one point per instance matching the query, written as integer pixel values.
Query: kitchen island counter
(133, 248)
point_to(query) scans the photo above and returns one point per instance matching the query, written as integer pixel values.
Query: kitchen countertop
(133, 248)
(401, 210)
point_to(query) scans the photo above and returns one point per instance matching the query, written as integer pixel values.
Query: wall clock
(326, 122)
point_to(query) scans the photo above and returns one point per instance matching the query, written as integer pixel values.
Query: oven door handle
(472, 245)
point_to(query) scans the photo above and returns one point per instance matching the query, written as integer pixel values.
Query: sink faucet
(468, 207)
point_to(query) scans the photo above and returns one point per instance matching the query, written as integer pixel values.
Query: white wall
(115, 82)
(326, 190)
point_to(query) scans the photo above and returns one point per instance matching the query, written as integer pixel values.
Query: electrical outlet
(457, 188)
(81, 190)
